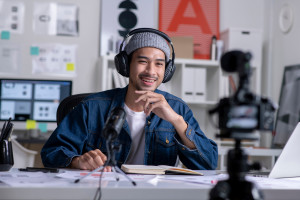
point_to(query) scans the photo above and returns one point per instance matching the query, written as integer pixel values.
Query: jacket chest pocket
(165, 148)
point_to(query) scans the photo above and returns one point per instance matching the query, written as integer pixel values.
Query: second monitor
(23, 99)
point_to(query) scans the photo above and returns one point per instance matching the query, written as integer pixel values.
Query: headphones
(121, 59)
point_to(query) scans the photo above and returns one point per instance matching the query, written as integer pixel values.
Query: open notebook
(287, 164)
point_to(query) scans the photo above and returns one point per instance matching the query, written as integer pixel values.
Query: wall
(285, 45)
(87, 41)
(240, 14)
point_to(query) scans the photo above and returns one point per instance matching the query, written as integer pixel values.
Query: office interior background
(279, 48)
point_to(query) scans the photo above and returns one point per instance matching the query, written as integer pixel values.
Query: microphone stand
(111, 161)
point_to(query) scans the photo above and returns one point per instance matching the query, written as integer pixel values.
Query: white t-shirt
(136, 122)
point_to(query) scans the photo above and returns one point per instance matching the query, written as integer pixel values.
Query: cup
(6, 155)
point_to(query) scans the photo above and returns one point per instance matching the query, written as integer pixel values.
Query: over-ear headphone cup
(170, 69)
(121, 63)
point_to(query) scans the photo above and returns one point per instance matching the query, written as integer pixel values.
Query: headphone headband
(152, 30)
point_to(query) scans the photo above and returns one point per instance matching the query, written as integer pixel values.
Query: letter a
(198, 20)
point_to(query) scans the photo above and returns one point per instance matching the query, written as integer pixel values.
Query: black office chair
(68, 104)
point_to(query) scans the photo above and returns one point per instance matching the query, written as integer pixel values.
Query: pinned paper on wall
(9, 58)
(5, 35)
(55, 19)
(53, 59)
(43, 127)
(34, 50)
(30, 124)
(12, 16)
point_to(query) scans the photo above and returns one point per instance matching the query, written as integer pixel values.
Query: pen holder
(6, 155)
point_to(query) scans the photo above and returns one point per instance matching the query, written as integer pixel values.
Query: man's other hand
(90, 160)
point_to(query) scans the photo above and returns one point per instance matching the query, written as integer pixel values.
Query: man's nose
(150, 67)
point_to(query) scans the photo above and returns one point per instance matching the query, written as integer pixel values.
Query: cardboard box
(183, 46)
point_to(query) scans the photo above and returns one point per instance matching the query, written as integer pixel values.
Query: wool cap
(147, 39)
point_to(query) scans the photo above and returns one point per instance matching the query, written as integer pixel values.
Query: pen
(2, 131)
(37, 169)
(8, 131)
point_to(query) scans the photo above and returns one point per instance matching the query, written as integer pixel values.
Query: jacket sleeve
(205, 156)
(67, 141)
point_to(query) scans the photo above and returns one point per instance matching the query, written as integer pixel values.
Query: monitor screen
(38, 100)
(288, 114)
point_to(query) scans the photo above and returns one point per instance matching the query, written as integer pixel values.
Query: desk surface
(39, 185)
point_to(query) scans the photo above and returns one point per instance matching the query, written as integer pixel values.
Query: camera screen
(242, 117)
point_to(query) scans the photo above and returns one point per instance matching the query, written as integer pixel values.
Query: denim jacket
(80, 132)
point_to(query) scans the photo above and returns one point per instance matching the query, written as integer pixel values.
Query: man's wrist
(75, 163)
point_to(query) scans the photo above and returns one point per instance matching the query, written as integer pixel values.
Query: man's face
(147, 68)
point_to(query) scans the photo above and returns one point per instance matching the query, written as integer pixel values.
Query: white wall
(241, 14)
(286, 47)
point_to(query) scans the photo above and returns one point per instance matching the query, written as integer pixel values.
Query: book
(160, 169)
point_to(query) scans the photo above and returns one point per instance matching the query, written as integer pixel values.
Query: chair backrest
(69, 104)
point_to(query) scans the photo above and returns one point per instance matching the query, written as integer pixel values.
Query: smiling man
(159, 127)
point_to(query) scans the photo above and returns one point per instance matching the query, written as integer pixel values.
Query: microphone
(114, 123)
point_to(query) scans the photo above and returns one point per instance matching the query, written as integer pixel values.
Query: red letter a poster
(196, 18)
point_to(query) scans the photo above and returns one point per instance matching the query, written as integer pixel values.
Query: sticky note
(30, 124)
(34, 51)
(43, 127)
(70, 67)
(5, 35)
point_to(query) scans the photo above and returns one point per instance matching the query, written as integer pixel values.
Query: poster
(118, 17)
(9, 58)
(12, 16)
(55, 19)
(55, 59)
(196, 18)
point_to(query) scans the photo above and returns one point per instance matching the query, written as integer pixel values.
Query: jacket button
(149, 152)
(183, 148)
(190, 132)
(149, 122)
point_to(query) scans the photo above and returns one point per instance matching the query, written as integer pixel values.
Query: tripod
(236, 187)
(111, 161)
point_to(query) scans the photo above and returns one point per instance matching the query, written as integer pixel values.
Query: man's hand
(90, 160)
(156, 103)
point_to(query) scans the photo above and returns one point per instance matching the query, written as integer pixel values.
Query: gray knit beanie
(147, 39)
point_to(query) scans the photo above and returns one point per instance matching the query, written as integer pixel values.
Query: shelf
(196, 81)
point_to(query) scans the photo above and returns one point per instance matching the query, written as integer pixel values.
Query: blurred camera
(244, 112)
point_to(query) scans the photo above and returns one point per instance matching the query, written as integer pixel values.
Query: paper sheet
(55, 19)
(10, 58)
(29, 179)
(107, 176)
(53, 59)
(12, 16)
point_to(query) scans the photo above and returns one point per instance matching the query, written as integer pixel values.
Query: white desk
(59, 188)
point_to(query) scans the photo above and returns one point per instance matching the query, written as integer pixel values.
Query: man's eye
(142, 61)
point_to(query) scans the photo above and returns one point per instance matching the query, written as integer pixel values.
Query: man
(158, 127)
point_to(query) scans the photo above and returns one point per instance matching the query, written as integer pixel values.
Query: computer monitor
(288, 114)
(23, 99)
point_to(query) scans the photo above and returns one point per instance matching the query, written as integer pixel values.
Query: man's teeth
(150, 81)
